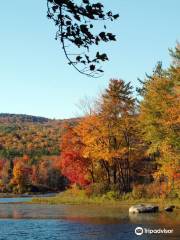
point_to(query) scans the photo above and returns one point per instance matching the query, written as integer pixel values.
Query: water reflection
(68, 230)
(87, 222)
(163, 218)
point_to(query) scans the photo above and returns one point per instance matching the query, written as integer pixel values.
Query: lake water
(74, 222)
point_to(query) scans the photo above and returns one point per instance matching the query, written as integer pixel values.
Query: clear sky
(34, 76)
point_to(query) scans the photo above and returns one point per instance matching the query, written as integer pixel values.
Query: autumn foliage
(74, 166)
(121, 145)
(123, 142)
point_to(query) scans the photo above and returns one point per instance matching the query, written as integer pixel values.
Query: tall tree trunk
(92, 172)
(106, 167)
(121, 175)
(114, 174)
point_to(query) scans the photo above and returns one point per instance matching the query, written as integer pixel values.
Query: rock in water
(143, 209)
(169, 208)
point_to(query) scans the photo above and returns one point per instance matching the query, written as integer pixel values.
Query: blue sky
(34, 75)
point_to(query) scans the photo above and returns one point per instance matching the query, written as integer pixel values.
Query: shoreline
(117, 203)
(73, 198)
(69, 198)
(27, 195)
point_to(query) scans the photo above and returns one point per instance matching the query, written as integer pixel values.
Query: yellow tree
(160, 120)
(21, 176)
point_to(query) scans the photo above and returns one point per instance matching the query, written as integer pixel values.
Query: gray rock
(142, 208)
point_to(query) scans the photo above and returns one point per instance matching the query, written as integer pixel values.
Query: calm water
(15, 200)
(87, 222)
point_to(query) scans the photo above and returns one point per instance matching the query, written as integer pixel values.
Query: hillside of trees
(29, 150)
(21, 118)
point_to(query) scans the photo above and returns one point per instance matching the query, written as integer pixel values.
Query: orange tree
(110, 137)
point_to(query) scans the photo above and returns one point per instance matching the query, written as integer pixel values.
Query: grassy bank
(72, 196)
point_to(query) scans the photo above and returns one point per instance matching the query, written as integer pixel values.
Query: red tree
(73, 165)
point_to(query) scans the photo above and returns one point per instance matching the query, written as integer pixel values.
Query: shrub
(173, 194)
(152, 190)
(157, 190)
(111, 195)
(127, 196)
(139, 191)
(97, 189)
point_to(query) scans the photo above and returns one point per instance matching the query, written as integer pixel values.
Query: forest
(126, 144)
(29, 151)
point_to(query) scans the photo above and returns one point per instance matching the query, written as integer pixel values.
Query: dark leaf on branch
(77, 17)
(111, 37)
(103, 57)
(100, 70)
(86, 1)
(68, 22)
(54, 8)
(74, 20)
(115, 16)
(109, 13)
(92, 67)
(97, 40)
(78, 58)
(103, 36)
